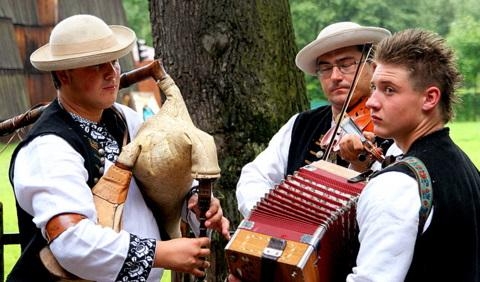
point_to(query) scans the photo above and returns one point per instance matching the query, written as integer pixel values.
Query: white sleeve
(77, 245)
(387, 215)
(267, 170)
(50, 179)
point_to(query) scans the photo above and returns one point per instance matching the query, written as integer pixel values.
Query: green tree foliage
(464, 8)
(310, 16)
(138, 18)
(465, 38)
(437, 15)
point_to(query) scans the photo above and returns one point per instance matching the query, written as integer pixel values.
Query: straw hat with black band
(81, 41)
(335, 36)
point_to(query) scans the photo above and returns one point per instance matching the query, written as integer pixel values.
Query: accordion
(304, 229)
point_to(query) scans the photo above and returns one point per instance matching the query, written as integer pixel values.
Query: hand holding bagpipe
(195, 151)
(167, 154)
(204, 208)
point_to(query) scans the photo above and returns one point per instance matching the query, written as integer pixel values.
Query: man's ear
(432, 97)
(63, 76)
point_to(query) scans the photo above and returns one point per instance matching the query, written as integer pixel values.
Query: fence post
(2, 265)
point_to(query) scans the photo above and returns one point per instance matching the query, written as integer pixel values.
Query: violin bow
(363, 59)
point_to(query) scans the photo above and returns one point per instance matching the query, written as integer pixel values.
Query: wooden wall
(25, 25)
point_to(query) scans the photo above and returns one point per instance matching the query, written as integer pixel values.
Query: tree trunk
(234, 63)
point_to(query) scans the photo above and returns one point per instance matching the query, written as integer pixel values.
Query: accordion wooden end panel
(307, 222)
(244, 253)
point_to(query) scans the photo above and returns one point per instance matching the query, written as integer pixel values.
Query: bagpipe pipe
(165, 157)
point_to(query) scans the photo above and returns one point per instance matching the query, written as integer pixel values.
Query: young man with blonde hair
(413, 93)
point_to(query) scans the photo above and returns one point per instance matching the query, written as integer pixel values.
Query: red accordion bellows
(312, 212)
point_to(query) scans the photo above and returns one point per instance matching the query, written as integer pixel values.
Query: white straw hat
(80, 41)
(335, 36)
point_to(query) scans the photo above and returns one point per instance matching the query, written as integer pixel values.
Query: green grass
(11, 252)
(465, 134)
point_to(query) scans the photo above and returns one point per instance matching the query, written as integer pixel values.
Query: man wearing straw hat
(76, 139)
(333, 57)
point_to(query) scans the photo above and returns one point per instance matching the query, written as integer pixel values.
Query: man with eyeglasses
(333, 57)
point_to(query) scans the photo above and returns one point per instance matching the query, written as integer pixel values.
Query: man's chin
(381, 133)
(337, 102)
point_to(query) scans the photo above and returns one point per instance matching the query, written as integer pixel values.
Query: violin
(359, 114)
(355, 121)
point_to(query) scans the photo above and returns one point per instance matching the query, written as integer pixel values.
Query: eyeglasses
(345, 66)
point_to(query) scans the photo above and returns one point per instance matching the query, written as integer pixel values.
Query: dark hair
(428, 59)
(56, 81)
(366, 46)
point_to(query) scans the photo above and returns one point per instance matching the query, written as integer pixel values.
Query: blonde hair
(429, 60)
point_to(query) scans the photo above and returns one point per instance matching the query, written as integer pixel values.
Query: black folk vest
(307, 131)
(449, 250)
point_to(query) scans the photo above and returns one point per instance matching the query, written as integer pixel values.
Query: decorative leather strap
(424, 187)
(60, 223)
